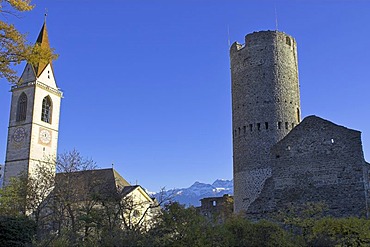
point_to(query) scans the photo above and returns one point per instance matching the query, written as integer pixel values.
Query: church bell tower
(34, 118)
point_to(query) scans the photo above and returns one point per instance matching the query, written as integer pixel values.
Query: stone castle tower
(34, 118)
(265, 107)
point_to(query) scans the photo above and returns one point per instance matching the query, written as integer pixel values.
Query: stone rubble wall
(318, 162)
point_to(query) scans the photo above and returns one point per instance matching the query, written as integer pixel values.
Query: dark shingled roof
(103, 183)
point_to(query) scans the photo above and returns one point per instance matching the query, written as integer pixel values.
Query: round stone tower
(265, 107)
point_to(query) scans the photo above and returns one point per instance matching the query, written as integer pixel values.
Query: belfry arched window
(46, 109)
(21, 108)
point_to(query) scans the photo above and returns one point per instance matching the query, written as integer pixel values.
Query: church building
(33, 140)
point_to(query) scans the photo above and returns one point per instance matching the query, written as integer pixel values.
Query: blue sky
(147, 83)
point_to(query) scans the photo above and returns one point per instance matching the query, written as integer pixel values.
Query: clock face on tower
(19, 134)
(45, 136)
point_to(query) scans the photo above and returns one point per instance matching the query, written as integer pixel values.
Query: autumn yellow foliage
(14, 47)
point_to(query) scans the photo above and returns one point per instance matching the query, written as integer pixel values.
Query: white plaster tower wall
(265, 107)
(32, 140)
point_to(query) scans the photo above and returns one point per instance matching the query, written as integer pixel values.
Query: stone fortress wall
(317, 162)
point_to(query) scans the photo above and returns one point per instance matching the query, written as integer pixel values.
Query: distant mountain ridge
(191, 196)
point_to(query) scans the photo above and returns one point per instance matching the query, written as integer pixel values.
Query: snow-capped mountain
(193, 194)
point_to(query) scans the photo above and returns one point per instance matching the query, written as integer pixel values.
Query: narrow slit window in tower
(22, 108)
(251, 127)
(298, 116)
(266, 125)
(46, 110)
(286, 125)
(258, 126)
(239, 130)
(244, 129)
(292, 125)
(279, 125)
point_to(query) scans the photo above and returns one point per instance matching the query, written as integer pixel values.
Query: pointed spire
(43, 41)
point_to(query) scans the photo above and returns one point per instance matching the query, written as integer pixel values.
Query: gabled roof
(103, 183)
(128, 189)
(43, 41)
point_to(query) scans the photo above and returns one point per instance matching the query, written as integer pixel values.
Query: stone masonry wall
(265, 106)
(318, 162)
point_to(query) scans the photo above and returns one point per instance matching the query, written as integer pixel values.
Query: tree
(127, 217)
(80, 205)
(96, 206)
(180, 226)
(13, 197)
(73, 161)
(13, 45)
(340, 232)
(28, 195)
(33, 194)
(39, 186)
(68, 202)
(300, 218)
(241, 232)
(16, 231)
